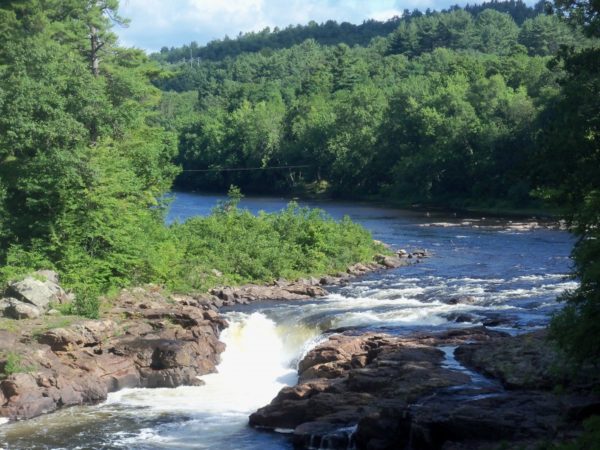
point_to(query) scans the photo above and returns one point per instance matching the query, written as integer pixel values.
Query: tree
(582, 13)
(82, 172)
(571, 150)
(497, 32)
(544, 35)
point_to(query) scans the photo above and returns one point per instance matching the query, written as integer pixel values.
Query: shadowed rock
(380, 392)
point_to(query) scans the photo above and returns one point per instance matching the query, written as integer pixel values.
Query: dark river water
(504, 274)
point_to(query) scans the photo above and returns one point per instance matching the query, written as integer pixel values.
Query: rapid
(498, 273)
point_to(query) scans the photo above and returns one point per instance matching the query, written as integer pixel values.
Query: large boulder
(391, 262)
(39, 290)
(16, 309)
(527, 361)
(506, 417)
(89, 333)
(5, 303)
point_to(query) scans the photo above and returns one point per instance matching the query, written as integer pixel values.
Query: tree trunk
(95, 47)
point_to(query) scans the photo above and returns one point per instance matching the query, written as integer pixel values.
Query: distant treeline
(446, 109)
(327, 33)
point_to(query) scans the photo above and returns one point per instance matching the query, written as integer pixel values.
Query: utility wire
(242, 169)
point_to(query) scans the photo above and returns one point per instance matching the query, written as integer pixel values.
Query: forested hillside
(492, 105)
(328, 33)
(446, 109)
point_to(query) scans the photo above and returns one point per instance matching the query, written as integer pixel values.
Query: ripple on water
(509, 275)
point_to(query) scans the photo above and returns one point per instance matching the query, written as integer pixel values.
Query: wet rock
(460, 317)
(322, 435)
(498, 321)
(358, 269)
(521, 362)
(464, 300)
(331, 281)
(302, 289)
(282, 290)
(346, 377)
(398, 393)
(391, 262)
(387, 427)
(509, 418)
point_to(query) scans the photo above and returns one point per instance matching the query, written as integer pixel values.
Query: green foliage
(293, 243)
(13, 364)
(446, 109)
(588, 440)
(82, 169)
(329, 33)
(86, 150)
(544, 35)
(570, 175)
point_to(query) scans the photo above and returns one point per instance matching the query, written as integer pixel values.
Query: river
(510, 274)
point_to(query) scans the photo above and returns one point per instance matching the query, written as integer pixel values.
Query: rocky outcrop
(15, 309)
(378, 391)
(529, 362)
(145, 341)
(349, 378)
(281, 290)
(509, 418)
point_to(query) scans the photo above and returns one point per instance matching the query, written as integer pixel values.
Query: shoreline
(146, 339)
(544, 214)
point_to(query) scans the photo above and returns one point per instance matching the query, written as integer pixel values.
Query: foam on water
(254, 367)
(489, 271)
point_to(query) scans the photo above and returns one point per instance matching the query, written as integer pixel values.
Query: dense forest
(489, 105)
(328, 33)
(85, 166)
(446, 109)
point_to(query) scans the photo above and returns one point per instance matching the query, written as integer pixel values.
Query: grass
(13, 364)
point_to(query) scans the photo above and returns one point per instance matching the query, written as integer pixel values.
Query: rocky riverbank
(145, 338)
(377, 391)
(307, 288)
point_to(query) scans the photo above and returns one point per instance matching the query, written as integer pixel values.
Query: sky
(172, 23)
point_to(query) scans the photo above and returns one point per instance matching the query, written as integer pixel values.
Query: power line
(243, 169)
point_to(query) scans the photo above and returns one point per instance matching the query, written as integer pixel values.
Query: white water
(505, 273)
(257, 363)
